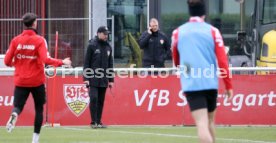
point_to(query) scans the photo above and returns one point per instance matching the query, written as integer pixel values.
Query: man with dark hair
(28, 54)
(99, 60)
(28, 19)
(197, 48)
(156, 46)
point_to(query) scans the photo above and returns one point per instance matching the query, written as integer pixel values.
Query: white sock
(14, 113)
(35, 137)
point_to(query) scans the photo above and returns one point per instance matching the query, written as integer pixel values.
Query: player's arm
(167, 46)
(9, 55)
(175, 53)
(45, 57)
(144, 39)
(222, 58)
(87, 61)
(110, 66)
(222, 62)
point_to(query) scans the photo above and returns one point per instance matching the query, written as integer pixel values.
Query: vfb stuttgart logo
(76, 97)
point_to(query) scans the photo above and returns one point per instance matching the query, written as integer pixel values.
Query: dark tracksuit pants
(97, 96)
(21, 95)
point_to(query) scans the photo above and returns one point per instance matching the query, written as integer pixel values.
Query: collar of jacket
(100, 41)
(30, 31)
(196, 19)
(155, 33)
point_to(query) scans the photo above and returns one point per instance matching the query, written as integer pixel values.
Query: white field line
(168, 135)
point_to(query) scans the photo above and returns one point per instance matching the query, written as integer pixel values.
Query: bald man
(156, 46)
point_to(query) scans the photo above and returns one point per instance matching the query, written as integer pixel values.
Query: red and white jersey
(28, 54)
(198, 47)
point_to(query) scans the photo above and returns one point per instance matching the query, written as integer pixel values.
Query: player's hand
(110, 84)
(149, 30)
(229, 94)
(86, 83)
(67, 61)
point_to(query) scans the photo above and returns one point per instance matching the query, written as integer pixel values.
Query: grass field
(129, 134)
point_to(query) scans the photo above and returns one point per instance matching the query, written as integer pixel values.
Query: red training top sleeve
(175, 53)
(9, 55)
(222, 58)
(45, 56)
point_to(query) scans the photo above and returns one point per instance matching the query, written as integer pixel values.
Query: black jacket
(98, 63)
(156, 48)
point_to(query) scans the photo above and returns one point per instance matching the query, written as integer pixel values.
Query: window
(130, 17)
(265, 50)
(173, 14)
(269, 12)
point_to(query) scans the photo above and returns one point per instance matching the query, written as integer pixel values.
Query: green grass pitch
(135, 134)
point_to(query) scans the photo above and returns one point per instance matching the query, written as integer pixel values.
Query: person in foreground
(197, 48)
(28, 54)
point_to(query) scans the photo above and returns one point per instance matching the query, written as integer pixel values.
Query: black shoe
(94, 125)
(101, 125)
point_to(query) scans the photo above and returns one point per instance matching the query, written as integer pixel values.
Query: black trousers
(21, 95)
(97, 96)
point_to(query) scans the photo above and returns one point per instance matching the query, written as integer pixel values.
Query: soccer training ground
(131, 134)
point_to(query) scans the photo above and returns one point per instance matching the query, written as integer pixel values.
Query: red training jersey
(28, 54)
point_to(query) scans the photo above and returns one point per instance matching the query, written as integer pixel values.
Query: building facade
(77, 20)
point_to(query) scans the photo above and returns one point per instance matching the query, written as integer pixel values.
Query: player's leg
(201, 119)
(211, 117)
(211, 106)
(39, 97)
(93, 94)
(198, 106)
(102, 91)
(21, 95)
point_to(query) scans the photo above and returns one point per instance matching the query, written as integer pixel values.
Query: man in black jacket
(98, 73)
(156, 46)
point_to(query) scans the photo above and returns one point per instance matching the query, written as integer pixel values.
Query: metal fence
(78, 70)
(73, 35)
(16, 8)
